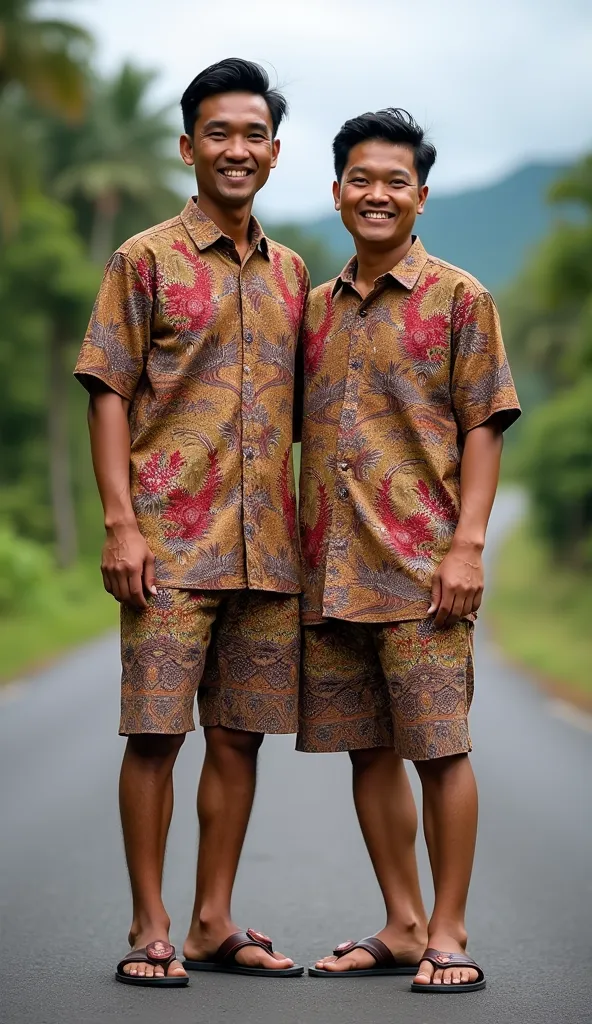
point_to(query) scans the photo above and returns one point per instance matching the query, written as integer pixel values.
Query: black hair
(393, 125)
(231, 75)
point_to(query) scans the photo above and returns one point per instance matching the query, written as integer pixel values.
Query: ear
(337, 195)
(275, 152)
(423, 195)
(186, 150)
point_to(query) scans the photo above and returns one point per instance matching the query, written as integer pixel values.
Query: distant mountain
(487, 231)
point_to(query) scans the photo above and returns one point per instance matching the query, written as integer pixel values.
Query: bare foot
(204, 941)
(407, 947)
(141, 939)
(430, 975)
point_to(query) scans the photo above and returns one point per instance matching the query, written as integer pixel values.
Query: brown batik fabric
(405, 685)
(238, 650)
(204, 349)
(393, 384)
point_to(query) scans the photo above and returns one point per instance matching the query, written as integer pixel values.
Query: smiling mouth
(236, 173)
(377, 215)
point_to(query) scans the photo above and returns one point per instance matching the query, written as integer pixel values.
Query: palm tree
(120, 162)
(44, 56)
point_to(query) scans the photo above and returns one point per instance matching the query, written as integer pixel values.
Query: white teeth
(235, 174)
(375, 215)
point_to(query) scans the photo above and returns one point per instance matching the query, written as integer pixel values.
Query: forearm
(110, 446)
(479, 476)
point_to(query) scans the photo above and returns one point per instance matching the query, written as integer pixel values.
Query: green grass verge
(70, 608)
(541, 614)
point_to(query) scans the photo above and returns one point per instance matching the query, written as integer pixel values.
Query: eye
(216, 134)
(399, 183)
(357, 181)
(258, 136)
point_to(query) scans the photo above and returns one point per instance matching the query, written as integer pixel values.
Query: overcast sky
(497, 84)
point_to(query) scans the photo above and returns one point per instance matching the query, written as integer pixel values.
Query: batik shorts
(405, 685)
(239, 651)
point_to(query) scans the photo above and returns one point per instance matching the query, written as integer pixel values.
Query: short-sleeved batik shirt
(204, 348)
(392, 385)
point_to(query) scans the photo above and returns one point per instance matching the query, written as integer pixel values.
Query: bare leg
(146, 805)
(224, 801)
(388, 819)
(450, 823)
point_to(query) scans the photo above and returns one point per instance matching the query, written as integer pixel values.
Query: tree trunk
(64, 516)
(101, 240)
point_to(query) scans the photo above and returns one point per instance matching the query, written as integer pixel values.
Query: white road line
(573, 716)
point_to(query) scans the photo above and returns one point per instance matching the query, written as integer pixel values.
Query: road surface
(304, 878)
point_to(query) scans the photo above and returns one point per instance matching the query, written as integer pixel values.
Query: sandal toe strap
(443, 961)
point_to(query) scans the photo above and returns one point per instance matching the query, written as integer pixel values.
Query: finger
(107, 583)
(149, 574)
(455, 611)
(136, 590)
(114, 584)
(436, 594)
(477, 599)
(122, 584)
(445, 607)
(467, 608)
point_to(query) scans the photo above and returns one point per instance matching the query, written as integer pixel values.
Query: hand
(127, 566)
(457, 586)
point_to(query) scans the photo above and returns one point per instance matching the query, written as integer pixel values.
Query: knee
(362, 760)
(223, 742)
(440, 769)
(155, 747)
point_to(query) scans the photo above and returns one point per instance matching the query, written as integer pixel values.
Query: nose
(237, 149)
(377, 194)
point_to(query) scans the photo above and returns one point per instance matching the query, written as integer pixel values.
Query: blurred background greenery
(88, 159)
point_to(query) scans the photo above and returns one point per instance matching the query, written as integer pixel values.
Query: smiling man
(190, 364)
(407, 393)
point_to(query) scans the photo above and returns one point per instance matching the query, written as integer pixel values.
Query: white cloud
(497, 84)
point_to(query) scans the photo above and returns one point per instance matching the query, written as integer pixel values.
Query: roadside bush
(24, 569)
(556, 464)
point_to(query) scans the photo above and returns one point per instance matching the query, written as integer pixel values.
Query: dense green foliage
(547, 317)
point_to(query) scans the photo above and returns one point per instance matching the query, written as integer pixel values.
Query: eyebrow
(258, 125)
(397, 172)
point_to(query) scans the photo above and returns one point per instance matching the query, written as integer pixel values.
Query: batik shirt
(204, 349)
(392, 385)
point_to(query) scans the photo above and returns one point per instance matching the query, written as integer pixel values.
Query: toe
(326, 960)
(437, 979)
(465, 976)
(285, 960)
(425, 974)
(159, 972)
(176, 970)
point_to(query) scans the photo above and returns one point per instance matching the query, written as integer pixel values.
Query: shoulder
(454, 278)
(284, 253)
(147, 243)
(322, 294)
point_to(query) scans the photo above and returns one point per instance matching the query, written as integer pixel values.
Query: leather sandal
(224, 959)
(385, 963)
(158, 953)
(442, 961)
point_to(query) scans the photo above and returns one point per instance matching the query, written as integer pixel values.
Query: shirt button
(363, 312)
(342, 492)
(248, 337)
(247, 369)
(249, 453)
(344, 465)
(356, 364)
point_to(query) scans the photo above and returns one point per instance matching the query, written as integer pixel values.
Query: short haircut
(231, 75)
(392, 125)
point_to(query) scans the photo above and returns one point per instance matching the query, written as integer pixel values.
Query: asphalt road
(304, 878)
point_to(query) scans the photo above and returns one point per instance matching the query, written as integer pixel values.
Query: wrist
(120, 522)
(469, 540)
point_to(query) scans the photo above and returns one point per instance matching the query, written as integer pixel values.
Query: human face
(232, 149)
(379, 195)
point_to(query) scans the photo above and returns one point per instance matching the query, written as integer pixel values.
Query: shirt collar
(406, 271)
(205, 233)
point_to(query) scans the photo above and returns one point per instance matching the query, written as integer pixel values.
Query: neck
(374, 263)
(232, 221)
